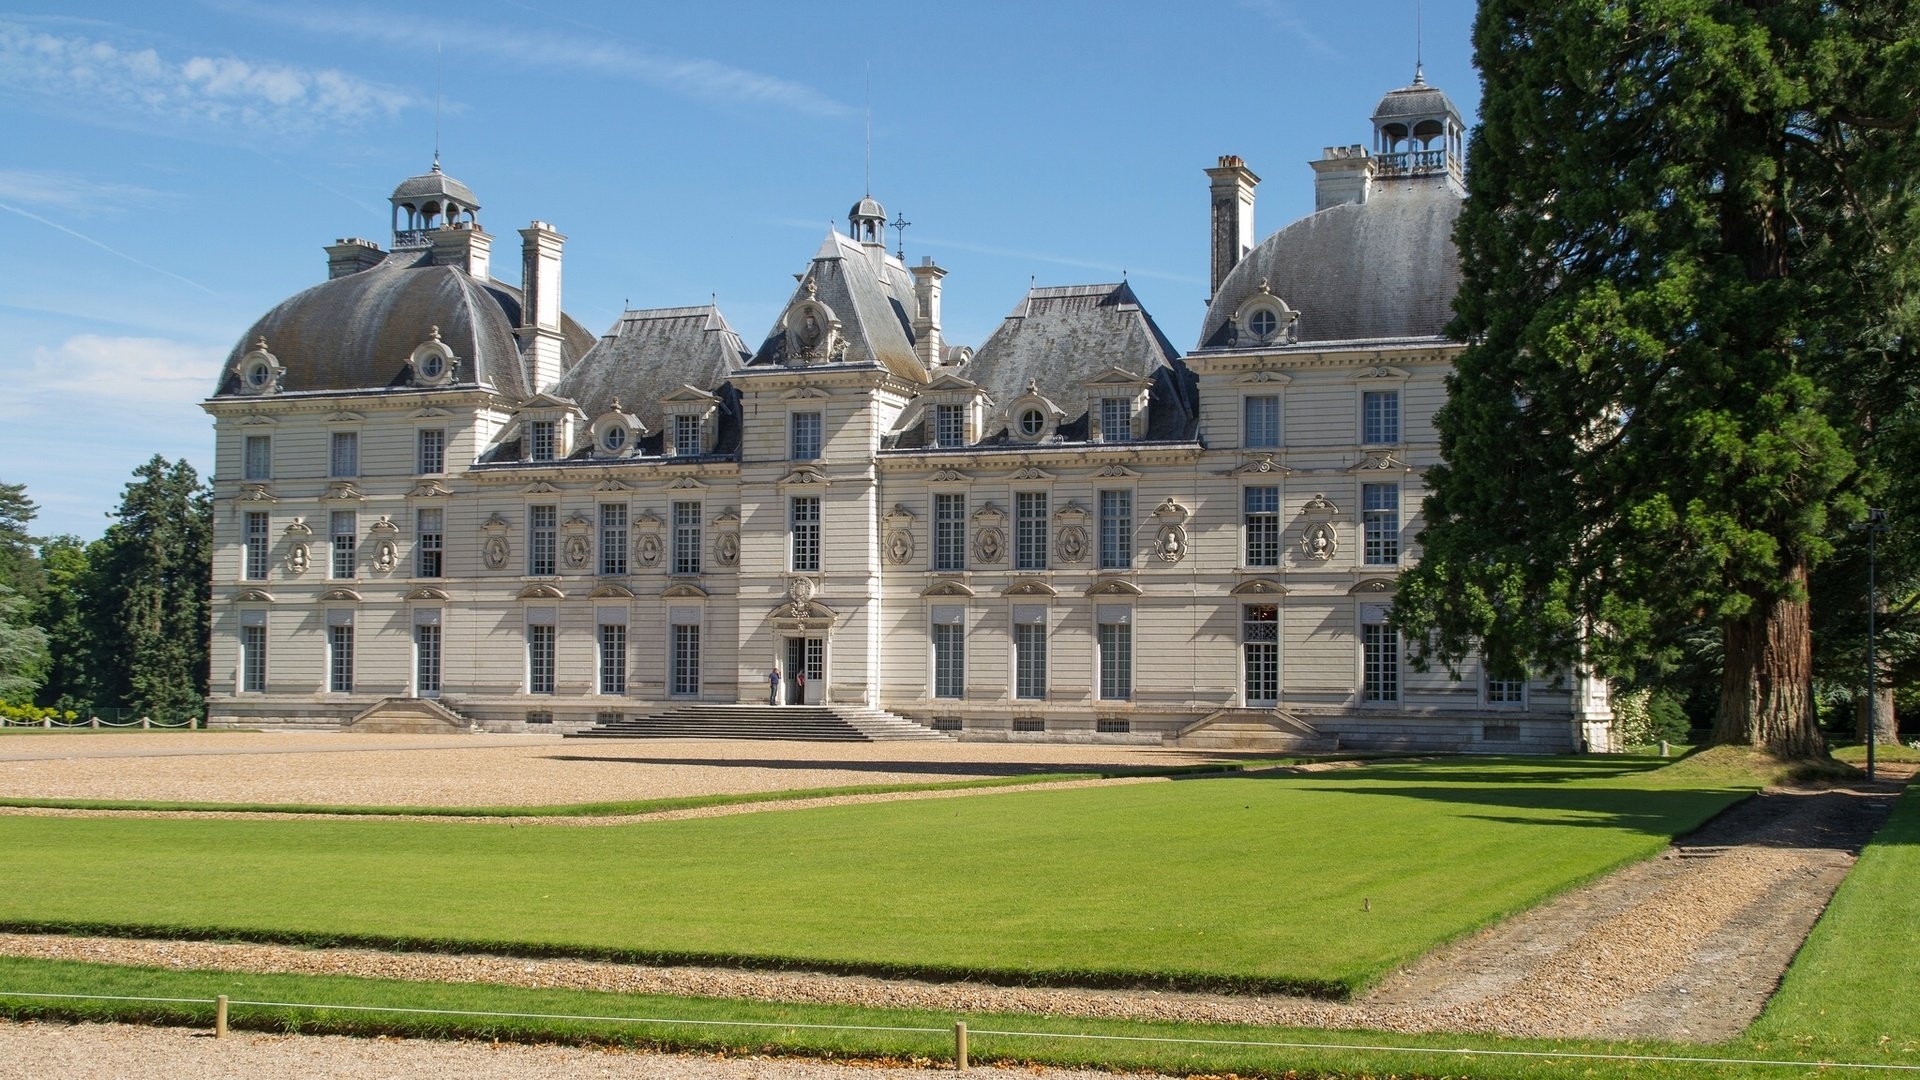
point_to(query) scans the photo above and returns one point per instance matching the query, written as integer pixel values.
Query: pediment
(1114, 587)
(428, 489)
(610, 591)
(1263, 377)
(804, 393)
(257, 420)
(431, 412)
(341, 593)
(343, 490)
(949, 476)
(1029, 587)
(1381, 371)
(1031, 473)
(1381, 461)
(948, 381)
(683, 590)
(685, 483)
(427, 592)
(611, 484)
(1259, 586)
(805, 475)
(540, 590)
(948, 588)
(544, 400)
(255, 493)
(344, 417)
(1261, 465)
(1372, 585)
(1118, 377)
(253, 596)
(385, 526)
(687, 395)
(1116, 472)
(539, 487)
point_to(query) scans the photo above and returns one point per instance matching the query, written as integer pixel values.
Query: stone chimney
(539, 330)
(926, 312)
(466, 246)
(352, 255)
(1343, 175)
(1233, 185)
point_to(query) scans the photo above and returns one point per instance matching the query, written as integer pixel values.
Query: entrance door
(816, 670)
(808, 655)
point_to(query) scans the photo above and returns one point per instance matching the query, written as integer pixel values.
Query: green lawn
(1318, 882)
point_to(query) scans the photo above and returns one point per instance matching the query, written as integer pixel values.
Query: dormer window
(1263, 323)
(686, 434)
(616, 432)
(1116, 419)
(1033, 423)
(259, 370)
(1267, 318)
(949, 426)
(540, 440)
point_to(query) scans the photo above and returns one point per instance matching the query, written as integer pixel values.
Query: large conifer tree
(153, 576)
(1689, 302)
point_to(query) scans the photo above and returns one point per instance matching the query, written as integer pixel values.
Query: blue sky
(171, 171)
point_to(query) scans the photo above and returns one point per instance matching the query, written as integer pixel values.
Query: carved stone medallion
(1320, 542)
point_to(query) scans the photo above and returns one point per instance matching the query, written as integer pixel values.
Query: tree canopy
(1689, 300)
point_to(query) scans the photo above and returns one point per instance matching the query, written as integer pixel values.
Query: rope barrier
(960, 1033)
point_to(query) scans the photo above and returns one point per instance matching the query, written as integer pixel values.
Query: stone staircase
(1254, 729)
(799, 723)
(407, 716)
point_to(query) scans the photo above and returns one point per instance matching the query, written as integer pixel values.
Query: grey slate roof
(356, 332)
(648, 354)
(1059, 337)
(433, 183)
(872, 295)
(1385, 268)
(1416, 100)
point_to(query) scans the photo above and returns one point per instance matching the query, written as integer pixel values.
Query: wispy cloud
(528, 47)
(1281, 16)
(85, 75)
(1015, 254)
(162, 372)
(84, 238)
(70, 193)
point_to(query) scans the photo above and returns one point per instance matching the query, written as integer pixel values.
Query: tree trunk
(1766, 688)
(1886, 728)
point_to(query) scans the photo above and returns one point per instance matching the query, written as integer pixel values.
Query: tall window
(426, 656)
(949, 532)
(949, 652)
(1506, 691)
(344, 525)
(542, 523)
(1030, 530)
(1380, 416)
(613, 658)
(1116, 419)
(686, 538)
(806, 533)
(1263, 526)
(429, 543)
(1115, 640)
(1263, 422)
(539, 440)
(1379, 662)
(258, 547)
(805, 436)
(949, 426)
(1116, 530)
(253, 653)
(540, 658)
(345, 458)
(613, 539)
(1030, 651)
(259, 457)
(684, 676)
(1380, 516)
(430, 451)
(339, 656)
(1260, 648)
(686, 434)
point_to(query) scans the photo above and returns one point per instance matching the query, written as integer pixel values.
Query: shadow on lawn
(928, 768)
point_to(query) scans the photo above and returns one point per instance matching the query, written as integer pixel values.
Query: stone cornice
(984, 464)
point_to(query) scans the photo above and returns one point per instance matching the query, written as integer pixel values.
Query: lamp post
(1876, 523)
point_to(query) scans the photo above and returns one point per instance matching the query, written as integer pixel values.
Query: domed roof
(1384, 268)
(356, 332)
(1416, 100)
(868, 206)
(435, 183)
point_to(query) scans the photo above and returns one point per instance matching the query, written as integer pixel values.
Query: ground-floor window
(426, 657)
(949, 652)
(340, 658)
(613, 658)
(1115, 641)
(684, 677)
(253, 655)
(1030, 652)
(540, 658)
(1380, 662)
(1260, 646)
(1506, 691)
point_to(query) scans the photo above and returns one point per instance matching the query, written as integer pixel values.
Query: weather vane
(899, 226)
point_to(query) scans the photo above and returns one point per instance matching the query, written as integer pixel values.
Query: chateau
(439, 496)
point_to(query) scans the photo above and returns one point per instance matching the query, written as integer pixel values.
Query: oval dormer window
(614, 439)
(1032, 423)
(259, 374)
(1263, 322)
(433, 365)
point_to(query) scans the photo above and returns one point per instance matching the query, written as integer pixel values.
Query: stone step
(804, 723)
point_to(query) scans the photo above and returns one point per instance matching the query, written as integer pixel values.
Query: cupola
(432, 200)
(1418, 132)
(867, 221)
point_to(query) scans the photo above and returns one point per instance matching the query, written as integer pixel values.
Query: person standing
(799, 687)
(773, 685)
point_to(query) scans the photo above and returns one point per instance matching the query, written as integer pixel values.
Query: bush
(1643, 716)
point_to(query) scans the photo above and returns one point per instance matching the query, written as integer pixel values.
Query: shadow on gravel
(928, 768)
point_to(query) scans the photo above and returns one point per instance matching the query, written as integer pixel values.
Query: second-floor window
(541, 527)
(950, 532)
(540, 440)
(344, 526)
(1030, 530)
(1380, 417)
(949, 425)
(429, 543)
(805, 436)
(345, 458)
(686, 538)
(258, 546)
(259, 457)
(1262, 525)
(613, 538)
(1380, 515)
(430, 452)
(1116, 530)
(1263, 422)
(806, 533)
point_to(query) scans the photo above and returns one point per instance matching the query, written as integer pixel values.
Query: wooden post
(960, 1045)
(95, 722)
(1663, 748)
(220, 1017)
(146, 723)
